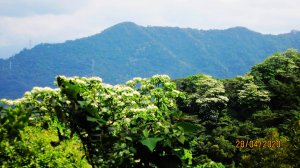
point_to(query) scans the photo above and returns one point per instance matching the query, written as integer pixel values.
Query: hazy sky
(25, 23)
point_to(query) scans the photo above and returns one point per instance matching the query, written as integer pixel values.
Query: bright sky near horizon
(25, 23)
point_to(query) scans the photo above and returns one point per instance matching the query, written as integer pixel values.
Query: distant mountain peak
(124, 24)
(239, 29)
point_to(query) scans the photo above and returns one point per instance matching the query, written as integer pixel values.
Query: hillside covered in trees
(127, 50)
(197, 121)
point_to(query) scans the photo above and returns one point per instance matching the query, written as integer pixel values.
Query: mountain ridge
(126, 50)
(150, 26)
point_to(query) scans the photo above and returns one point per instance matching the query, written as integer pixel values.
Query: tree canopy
(198, 121)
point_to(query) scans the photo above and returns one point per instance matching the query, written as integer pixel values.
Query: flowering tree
(125, 125)
(135, 124)
(205, 97)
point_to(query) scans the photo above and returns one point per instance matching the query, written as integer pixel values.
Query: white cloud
(59, 20)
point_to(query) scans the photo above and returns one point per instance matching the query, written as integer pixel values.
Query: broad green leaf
(181, 139)
(151, 142)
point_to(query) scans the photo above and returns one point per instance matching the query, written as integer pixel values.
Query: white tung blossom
(138, 110)
(79, 81)
(27, 94)
(105, 85)
(127, 120)
(127, 94)
(130, 83)
(165, 77)
(95, 78)
(6, 101)
(152, 107)
(138, 79)
(120, 103)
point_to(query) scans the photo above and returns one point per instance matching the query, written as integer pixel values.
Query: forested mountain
(127, 50)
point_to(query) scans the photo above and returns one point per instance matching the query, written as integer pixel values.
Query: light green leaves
(146, 133)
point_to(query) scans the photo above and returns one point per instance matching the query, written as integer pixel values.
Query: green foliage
(28, 129)
(280, 75)
(268, 156)
(211, 165)
(114, 121)
(245, 97)
(149, 123)
(258, 102)
(12, 121)
(205, 97)
(34, 150)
